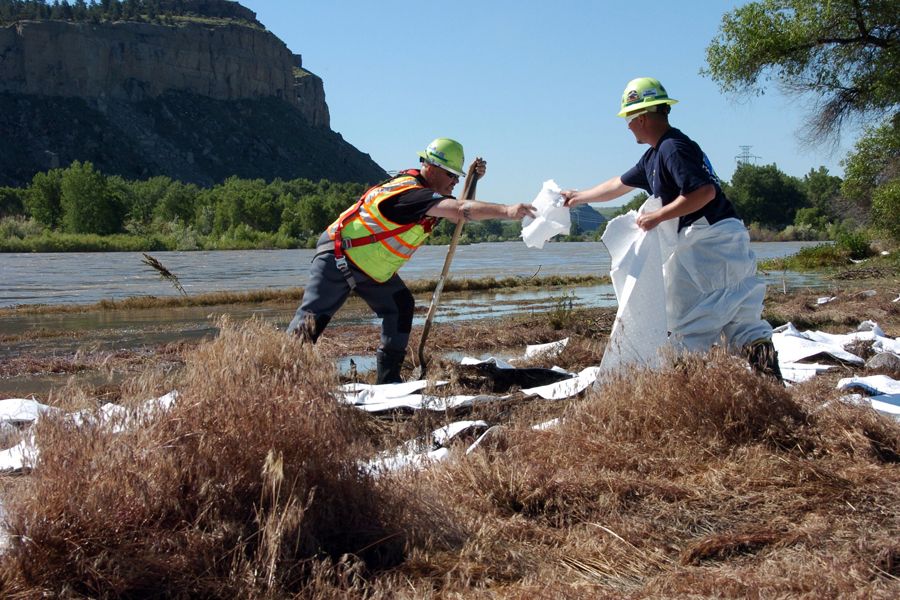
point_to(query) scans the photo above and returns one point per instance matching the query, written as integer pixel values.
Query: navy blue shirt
(677, 166)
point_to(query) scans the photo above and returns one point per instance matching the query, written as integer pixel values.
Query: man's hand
(569, 198)
(480, 167)
(519, 211)
(648, 221)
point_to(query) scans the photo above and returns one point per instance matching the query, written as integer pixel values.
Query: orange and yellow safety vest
(375, 244)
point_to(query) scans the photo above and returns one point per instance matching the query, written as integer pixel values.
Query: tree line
(71, 208)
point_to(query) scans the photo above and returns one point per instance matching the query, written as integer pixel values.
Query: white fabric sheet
(551, 217)
(21, 410)
(636, 269)
(364, 393)
(793, 346)
(546, 350)
(874, 385)
(797, 372)
(24, 454)
(421, 453)
(567, 387)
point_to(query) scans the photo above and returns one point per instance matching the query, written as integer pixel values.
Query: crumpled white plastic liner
(551, 217)
(25, 412)
(794, 345)
(882, 393)
(636, 270)
(419, 453)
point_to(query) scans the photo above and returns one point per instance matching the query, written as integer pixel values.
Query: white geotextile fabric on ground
(636, 269)
(24, 412)
(883, 393)
(419, 453)
(567, 387)
(794, 346)
(551, 218)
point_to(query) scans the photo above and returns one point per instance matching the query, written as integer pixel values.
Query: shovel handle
(468, 194)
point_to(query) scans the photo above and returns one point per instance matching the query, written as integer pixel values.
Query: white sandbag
(637, 258)
(551, 218)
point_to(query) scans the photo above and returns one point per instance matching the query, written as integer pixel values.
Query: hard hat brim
(645, 105)
(431, 161)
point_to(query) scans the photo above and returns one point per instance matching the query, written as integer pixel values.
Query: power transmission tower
(745, 157)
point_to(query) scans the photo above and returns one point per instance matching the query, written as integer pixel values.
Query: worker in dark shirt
(366, 245)
(713, 294)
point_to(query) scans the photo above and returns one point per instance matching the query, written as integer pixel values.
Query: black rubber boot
(389, 363)
(763, 359)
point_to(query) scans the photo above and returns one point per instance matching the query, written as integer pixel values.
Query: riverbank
(47, 350)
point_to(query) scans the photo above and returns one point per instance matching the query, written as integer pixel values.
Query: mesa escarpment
(195, 100)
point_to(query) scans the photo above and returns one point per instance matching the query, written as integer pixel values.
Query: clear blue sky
(533, 87)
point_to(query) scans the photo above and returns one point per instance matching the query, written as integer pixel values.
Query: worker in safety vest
(712, 290)
(366, 245)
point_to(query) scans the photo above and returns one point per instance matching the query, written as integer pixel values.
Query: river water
(88, 277)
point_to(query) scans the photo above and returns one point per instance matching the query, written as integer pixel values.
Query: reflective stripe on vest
(384, 246)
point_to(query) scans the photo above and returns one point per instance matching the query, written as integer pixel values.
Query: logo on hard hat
(632, 97)
(651, 93)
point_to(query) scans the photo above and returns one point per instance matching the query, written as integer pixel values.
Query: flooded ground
(39, 352)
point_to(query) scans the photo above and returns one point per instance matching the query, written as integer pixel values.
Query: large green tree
(872, 175)
(43, 198)
(766, 195)
(842, 54)
(87, 204)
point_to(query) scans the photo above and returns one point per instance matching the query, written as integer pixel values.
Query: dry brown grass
(851, 306)
(701, 481)
(232, 492)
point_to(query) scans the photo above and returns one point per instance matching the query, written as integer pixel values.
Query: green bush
(855, 243)
(19, 227)
(809, 258)
(84, 242)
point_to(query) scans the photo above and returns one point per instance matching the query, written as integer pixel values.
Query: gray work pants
(327, 291)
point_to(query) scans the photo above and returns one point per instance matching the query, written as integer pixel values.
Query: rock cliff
(194, 100)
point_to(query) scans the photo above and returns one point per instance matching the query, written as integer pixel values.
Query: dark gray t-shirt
(678, 166)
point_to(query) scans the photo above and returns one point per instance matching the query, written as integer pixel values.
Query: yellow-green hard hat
(445, 153)
(642, 93)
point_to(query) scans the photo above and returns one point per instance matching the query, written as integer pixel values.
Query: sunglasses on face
(632, 117)
(453, 176)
